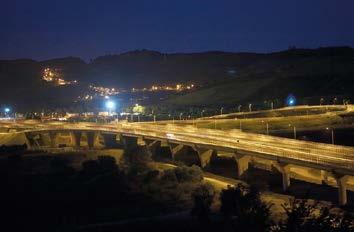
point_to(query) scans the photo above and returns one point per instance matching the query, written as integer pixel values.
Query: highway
(326, 156)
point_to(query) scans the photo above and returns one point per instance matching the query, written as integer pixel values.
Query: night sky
(43, 29)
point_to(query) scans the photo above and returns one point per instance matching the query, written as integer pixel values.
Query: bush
(203, 197)
(107, 163)
(188, 174)
(243, 207)
(306, 217)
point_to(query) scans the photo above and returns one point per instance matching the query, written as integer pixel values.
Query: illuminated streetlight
(291, 100)
(110, 106)
(7, 110)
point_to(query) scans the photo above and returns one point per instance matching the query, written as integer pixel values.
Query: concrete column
(324, 177)
(285, 171)
(29, 140)
(91, 139)
(53, 139)
(204, 155)
(175, 149)
(342, 189)
(152, 146)
(242, 162)
(130, 143)
(110, 140)
(75, 138)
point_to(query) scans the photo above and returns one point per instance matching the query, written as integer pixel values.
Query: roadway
(327, 156)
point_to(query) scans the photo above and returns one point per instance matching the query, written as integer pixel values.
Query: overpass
(327, 163)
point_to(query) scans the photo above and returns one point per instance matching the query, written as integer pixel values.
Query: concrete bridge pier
(176, 149)
(92, 138)
(76, 138)
(285, 172)
(110, 140)
(152, 146)
(242, 162)
(53, 139)
(204, 155)
(342, 189)
(130, 143)
(30, 143)
(34, 140)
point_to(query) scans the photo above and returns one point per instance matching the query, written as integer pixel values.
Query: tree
(243, 208)
(303, 217)
(203, 197)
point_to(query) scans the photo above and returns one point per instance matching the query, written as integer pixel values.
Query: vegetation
(46, 191)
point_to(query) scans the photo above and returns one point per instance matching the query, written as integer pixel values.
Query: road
(326, 155)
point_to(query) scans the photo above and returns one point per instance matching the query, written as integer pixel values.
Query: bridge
(314, 162)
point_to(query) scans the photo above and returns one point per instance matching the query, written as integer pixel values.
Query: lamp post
(332, 134)
(267, 127)
(221, 109)
(7, 111)
(180, 116)
(294, 128)
(110, 106)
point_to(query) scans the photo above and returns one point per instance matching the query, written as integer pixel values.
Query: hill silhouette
(228, 78)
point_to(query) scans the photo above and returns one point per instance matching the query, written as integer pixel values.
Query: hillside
(308, 74)
(227, 78)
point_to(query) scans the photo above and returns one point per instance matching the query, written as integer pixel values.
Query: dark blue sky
(42, 29)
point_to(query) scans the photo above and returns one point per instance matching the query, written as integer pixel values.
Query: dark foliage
(244, 210)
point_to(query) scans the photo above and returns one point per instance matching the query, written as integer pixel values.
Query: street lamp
(294, 131)
(267, 127)
(7, 111)
(110, 106)
(332, 134)
(240, 123)
(222, 108)
(201, 113)
(180, 116)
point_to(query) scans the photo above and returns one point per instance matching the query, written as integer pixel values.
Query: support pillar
(285, 172)
(204, 155)
(152, 146)
(342, 189)
(91, 139)
(53, 139)
(130, 143)
(75, 138)
(175, 149)
(110, 140)
(29, 140)
(242, 162)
